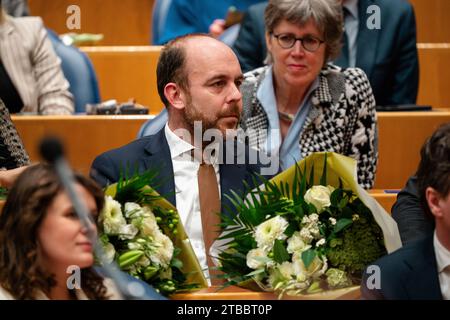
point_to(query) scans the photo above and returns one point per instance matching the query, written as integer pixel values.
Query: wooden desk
(130, 72)
(121, 22)
(401, 134)
(434, 65)
(126, 72)
(84, 137)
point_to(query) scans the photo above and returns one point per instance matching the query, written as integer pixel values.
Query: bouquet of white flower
(142, 232)
(299, 234)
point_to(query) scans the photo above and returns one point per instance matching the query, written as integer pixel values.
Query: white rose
(111, 216)
(256, 258)
(296, 243)
(267, 232)
(317, 267)
(319, 196)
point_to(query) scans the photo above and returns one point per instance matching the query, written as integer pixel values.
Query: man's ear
(175, 95)
(434, 201)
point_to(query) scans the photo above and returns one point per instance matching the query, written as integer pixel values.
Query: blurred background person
(31, 79)
(304, 104)
(196, 16)
(16, 8)
(41, 236)
(387, 55)
(421, 269)
(13, 156)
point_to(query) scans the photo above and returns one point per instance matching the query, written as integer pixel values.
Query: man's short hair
(434, 166)
(172, 65)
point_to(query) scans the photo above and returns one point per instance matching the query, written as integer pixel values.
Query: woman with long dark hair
(42, 240)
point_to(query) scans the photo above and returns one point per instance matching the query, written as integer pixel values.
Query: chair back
(159, 15)
(79, 72)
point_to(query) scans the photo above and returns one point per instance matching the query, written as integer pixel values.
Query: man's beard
(192, 114)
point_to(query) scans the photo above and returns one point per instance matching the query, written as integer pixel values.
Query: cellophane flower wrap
(309, 231)
(142, 232)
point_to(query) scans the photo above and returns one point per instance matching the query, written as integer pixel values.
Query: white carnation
(267, 232)
(111, 216)
(164, 250)
(132, 210)
(127, 231)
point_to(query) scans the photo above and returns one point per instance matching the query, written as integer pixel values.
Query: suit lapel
(424, 279)
(367, 40)
(158, 157)
(232, 174)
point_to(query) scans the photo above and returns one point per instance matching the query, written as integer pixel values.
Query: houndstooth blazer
(342, 118)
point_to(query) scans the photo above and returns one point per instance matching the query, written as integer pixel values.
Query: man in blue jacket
(388, 54)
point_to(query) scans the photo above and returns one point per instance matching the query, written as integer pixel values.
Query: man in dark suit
(198, 81)
(387, 55)
(421, 269)
(413, 224)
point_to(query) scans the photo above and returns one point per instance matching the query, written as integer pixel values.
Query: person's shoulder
(27, 22)
(257, 9)
(254, 75)
(399, 261)
(397, 6)
(134, 148)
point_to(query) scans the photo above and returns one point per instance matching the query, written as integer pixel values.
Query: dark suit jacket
(407, 211)
(388, 56)
(153, 152)
(410, 273)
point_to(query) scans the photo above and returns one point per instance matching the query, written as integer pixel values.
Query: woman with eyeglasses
(299, 103)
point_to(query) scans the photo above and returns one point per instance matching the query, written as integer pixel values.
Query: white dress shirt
(185, 170)
(443, 267)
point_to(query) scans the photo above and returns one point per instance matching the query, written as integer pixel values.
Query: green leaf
(341, 224)
(308, 257)
(311, 176)
(280, 253)
(323, 179)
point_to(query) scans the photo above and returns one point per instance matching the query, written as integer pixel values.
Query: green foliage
(357, 246)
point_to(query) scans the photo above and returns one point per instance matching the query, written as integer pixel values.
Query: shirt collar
(179, 147)
(352, 7)
(442, 254)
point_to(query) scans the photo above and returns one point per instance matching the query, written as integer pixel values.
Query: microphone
(52, 151)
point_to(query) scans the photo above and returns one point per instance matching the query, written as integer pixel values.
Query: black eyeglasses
(288, 40)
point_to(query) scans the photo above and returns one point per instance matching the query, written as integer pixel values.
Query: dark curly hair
(31, 195)
(434, 166)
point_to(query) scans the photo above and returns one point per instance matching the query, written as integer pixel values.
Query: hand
(217, 28)
(8, 177)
